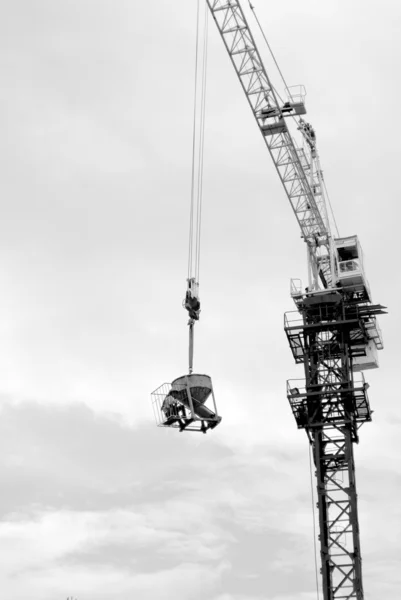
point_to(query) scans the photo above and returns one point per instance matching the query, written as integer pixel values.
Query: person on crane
(308, 133)
(172, 408)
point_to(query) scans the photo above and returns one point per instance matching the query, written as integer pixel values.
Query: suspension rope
(201, 143)
(198, 140)
(314, 521)
(191, 216)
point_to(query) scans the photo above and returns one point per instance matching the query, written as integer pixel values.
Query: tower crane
(333, 332)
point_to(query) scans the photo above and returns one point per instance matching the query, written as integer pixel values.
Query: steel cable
(198, 140)
(191, 217)
(201, 145)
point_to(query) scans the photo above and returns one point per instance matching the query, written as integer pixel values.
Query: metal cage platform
(182, 404)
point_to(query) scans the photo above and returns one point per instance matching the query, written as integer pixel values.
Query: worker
(302, 415)
(170, 406)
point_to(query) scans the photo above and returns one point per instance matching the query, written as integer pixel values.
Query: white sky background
(96, 110)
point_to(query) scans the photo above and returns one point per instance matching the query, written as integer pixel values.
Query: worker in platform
(170, 406)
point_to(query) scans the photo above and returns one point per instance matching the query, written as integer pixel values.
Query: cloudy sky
(96, 107)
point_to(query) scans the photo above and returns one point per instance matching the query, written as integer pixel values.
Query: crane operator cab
(350, 272)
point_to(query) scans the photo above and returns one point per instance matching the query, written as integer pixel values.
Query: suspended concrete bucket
(182, 404)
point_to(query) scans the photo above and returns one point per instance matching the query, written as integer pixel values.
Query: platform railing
(293, 320)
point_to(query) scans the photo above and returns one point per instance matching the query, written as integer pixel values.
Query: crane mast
(333, 333)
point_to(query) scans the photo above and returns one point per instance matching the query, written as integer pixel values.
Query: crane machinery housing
(333, 332)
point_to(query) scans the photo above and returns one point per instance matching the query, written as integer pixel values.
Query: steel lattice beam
(239, 42)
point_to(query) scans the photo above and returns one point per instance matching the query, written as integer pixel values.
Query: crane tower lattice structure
(331, 404)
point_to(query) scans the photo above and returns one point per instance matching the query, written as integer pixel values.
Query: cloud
(87, 492)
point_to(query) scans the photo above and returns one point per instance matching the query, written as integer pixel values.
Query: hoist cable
(201, 144)
(314, 522)
(198, 138)
(191, 217)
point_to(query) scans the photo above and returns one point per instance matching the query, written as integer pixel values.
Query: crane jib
(239, 42)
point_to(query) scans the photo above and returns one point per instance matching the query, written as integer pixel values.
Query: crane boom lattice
(270, 117)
